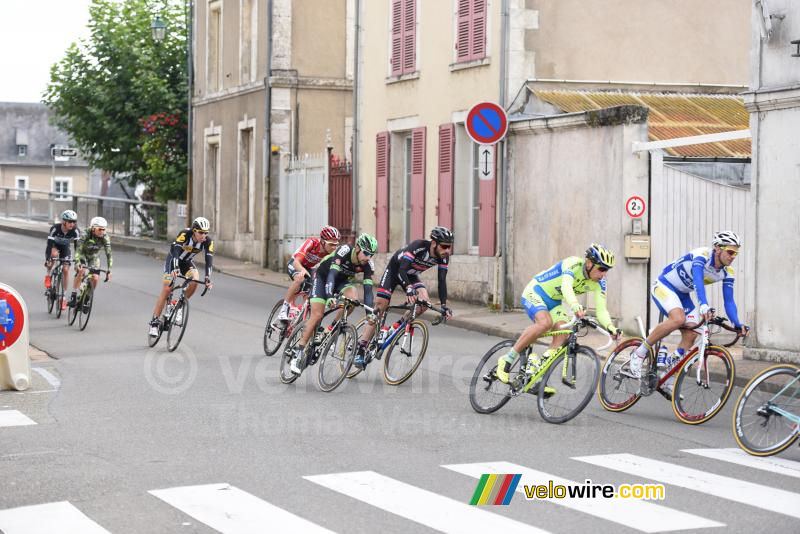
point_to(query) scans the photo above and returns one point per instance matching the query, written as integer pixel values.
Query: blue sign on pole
(487, 123)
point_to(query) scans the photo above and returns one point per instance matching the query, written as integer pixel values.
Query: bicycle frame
(780, 411)
(404, 325)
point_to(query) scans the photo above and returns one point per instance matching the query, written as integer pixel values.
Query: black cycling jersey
(184, 249)
(406, 265)
(343, 265)
(57, 238)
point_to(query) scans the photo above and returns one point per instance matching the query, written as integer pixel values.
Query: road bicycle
(703, 377)
(175, 315)
(766, 419)
(55, 293)
(275, 332)
(334, 347)
(404, 344)
(84, 300)
(564, 382)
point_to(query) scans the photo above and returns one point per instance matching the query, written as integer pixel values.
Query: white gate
(686, 211)
(303, 200)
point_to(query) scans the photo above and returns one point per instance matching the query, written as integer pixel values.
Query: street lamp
(159, 29)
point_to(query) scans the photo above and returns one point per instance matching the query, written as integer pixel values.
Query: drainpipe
(355, 141)
(502, 249)
(190, 109)
(265, 185)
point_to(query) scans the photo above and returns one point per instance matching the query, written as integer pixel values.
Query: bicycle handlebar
(591, 322)
(190, 280)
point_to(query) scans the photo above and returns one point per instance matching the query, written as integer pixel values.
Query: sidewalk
(468, 316)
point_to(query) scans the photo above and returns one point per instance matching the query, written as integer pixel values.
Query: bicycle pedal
(665, 394)
(569, 383)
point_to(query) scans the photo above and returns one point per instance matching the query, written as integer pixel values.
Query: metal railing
(124, 216)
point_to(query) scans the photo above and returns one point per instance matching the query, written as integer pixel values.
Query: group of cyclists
(331, 268)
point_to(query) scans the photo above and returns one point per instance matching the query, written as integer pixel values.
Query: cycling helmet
(367, 243)
(440, 234)
(69, 216)
(98, 222)
(329, 233)
(600, 255)
(202, 224)
(726, 238)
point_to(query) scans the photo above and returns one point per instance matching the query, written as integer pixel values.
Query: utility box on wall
(637, 248)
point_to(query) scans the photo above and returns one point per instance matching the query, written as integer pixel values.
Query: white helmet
(202, 224)
(98, 222)
(726, 238)
(69, 216)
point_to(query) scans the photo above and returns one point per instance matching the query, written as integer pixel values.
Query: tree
(114, 91)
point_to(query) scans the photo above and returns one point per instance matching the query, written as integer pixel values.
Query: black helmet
(440, 234)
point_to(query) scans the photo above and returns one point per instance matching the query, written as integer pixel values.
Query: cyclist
(188, 243)
(335, 275)
(551, 293)
(87, 257)
(304, 260)
(59, 238)
(672, 293)
(404, 269)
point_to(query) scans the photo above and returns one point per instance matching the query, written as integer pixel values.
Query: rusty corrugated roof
(671, 116)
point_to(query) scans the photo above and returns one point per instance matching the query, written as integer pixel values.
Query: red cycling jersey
(310, 252)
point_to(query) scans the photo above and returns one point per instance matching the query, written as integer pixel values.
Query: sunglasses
(367, 254)
(601, 268)
(201, 232)
(446, 247)
(732, 252)
(332, 243)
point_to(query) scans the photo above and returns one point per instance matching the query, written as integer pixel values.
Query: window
(214, 46)
(404, 37)
(246, 171)
(62, 186)
(407, 171)
(21, 183)
(475, 203)
(471, 30)
(249, 42)
(22, 150)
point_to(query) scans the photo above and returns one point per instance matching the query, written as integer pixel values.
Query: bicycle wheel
(274, 330)
(176, 328)
(50, 296)
(617, 389)
(574, 378)
(337, 358)
(695, 403)
(59, 293)
(487, 393)
(286, 374)
(72, 313)
(758, 428)
(84, 306)
(410, 345)
(359, 328)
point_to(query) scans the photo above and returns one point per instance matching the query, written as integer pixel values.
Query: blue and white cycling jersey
(695, 270)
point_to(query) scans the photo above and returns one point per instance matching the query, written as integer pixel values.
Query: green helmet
(367, 243)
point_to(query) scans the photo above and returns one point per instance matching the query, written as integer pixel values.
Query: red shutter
(417, 183)
(446, 174)
(397, 37)
(464, 24)
(382, 190)
(488, 204)
(478, 33)
(409, 36)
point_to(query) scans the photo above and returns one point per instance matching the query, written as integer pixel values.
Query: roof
(671, 115)
(29, 123)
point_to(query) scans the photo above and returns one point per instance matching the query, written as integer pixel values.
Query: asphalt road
(117, 421)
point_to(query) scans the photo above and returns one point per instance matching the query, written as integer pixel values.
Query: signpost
(487, 123)
(486, 162)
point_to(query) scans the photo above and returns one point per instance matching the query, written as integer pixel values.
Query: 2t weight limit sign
(635, 206)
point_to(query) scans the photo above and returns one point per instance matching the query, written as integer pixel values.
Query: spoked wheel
(59, 297)
(84, 306)
(176, 327)
(337, 357)
(359, 328)
(569, 384)
(286, 374)
(758, 426)
(405, 353)
(274, 330)
(618, 390)
(152, 340)
(696, 402)
(72, 313)
(50, 296)
(487, 393)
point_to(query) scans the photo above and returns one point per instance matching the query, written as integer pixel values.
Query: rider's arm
(209, 258)
(567, 280)
(107, 247)
(603, 317)
(442, 284)
(404, 265)
(330, 281)
(698, 276)
(730, 304)
(50, 243)
(368, 291)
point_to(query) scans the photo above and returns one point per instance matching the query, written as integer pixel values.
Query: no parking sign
(15, 366)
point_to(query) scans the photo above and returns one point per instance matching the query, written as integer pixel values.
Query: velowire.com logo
(495, 489)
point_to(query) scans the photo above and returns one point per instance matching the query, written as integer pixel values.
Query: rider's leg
(314, 318)
(381, 304)
(80, 272)
(291, 293)
(422, 294)
(542, 322)
(195, 275)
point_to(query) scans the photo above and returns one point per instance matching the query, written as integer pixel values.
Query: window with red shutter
(409, 36)
(382, 161)
(446, 174)
(417, 183)
(471, 30)
(397, 37)
(463, 30)
(478, 34)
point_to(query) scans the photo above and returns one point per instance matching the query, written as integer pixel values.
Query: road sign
(486, 162)
(63, 152)
(12, 319)
(635, 206)
(487, 123)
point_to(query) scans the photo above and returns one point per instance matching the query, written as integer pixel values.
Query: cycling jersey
(406, 265)
(693, 271)
(562, 282)
(185, 248)
(88, 247)
(310, 253)
(57, 238)
(339, 267)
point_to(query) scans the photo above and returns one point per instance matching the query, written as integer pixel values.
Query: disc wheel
(573, 377)
(617, 389)
(758, 428)
(274, 330)
(84, 307)
(337, 357)
(176, 326)
(696, 402)
(487, 393)
(405, 353)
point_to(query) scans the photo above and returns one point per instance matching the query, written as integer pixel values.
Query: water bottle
(383, 334)
(663, 359)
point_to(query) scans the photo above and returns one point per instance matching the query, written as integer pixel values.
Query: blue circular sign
(487, 123)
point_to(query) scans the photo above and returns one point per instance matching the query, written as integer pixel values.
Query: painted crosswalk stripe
(637, 514)
(14, 418)
(427, 508)
(51, 518)
(230, 510)
(738, 456)
(772, 499)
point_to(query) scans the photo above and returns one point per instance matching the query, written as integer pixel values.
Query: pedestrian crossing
(14, 418)
(231, 510)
